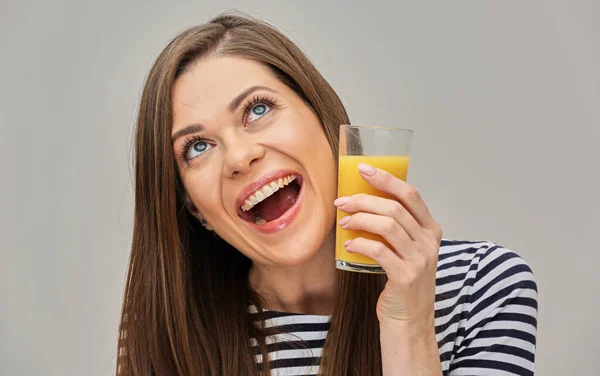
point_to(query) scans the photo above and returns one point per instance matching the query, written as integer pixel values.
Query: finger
(385, 227)
(408, 196)
(381, 206)
(377, 251)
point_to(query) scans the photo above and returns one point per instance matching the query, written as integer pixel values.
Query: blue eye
(257, 111)
(197, 148)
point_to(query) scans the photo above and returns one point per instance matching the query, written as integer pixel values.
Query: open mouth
(271, 201)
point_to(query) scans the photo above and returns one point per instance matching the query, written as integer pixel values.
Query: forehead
(211, 84)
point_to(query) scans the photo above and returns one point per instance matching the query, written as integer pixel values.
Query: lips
(267, 191)
(248, 195)
(251, 188)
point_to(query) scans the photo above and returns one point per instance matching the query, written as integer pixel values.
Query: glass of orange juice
(385, 148)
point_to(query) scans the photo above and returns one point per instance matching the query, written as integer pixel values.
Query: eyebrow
(235, 103)
(192, 128)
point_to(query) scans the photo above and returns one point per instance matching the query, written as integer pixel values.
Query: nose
(241, 156)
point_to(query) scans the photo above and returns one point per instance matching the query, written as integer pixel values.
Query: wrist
(407, 328)
(409, 348)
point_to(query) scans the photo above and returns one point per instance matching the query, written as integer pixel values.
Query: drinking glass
(384, 148)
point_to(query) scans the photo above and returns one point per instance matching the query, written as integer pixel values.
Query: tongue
(278, 203)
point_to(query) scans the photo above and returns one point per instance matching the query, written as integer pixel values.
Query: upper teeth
(267, 190)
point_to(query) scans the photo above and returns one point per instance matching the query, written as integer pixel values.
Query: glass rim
(377, 127)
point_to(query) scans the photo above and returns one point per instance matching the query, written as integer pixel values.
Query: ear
(189, 205)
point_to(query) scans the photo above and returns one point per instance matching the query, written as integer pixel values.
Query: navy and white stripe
(297, 350)
(485, 317)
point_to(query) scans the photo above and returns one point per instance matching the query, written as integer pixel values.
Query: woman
(217, 284)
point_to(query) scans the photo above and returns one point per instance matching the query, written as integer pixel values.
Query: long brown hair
(185, 307)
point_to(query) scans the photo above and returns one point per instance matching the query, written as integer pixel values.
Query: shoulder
(478, 268)
(479, 262)
(486, 303)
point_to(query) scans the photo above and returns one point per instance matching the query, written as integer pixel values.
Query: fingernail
(341, 201)
(366, 169)
(347, 243)
(344, 220)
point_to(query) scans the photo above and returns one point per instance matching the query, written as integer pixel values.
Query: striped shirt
(485, 317)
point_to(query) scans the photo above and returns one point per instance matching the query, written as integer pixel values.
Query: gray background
(503, 96)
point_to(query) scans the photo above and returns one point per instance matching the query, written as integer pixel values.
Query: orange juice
(349, 183)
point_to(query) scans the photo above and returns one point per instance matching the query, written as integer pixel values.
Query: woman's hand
(414, 236)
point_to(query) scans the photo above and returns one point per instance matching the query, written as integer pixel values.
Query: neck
(308, 288)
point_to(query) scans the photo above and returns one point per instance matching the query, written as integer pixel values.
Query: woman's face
(240, 135)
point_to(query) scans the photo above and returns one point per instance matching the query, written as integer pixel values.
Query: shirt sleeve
(499, 333)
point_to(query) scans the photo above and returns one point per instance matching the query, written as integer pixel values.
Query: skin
(405, 308)
(293, 268)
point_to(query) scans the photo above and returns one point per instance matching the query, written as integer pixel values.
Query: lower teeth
(259, 221)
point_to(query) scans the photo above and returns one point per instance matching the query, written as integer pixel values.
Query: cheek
(303, 132)
(328, 176)
(289, 134)
(311, 147)
(327, 169)
(204, 192)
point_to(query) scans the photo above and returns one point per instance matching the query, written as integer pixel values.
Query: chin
(296, 256)
(307, 243)
(284, 220)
